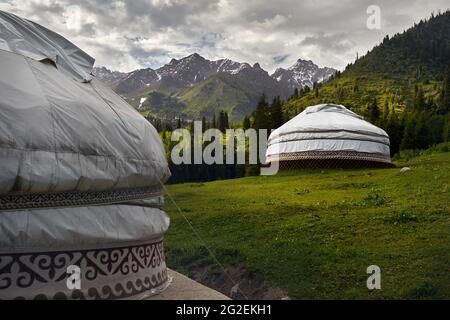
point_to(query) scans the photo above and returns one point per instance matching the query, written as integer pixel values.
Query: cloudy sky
(128, 34)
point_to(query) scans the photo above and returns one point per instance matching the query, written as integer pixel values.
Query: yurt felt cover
(81, 176)
(328, 131)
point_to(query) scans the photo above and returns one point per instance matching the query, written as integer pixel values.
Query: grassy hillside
(391, 71)
(217, 93)
(235, 94)
(314, 233)
(160, 105)
(357, 92)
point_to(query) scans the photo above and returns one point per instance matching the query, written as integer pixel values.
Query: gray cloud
(337, 43)
(88, 30)
(281, 58)
(164, 14)
(129, 34)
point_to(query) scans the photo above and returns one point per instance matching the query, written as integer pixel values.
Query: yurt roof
(328, 117)
(62, 130)
(34, 41)
(328, 131)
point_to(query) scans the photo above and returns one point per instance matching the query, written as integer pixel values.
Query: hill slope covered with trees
(402, 85)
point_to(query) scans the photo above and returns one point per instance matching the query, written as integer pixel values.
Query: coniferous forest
(402, 85)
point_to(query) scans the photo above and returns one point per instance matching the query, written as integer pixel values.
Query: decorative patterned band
(366, 139)
(107, 273)
(344, 155)
(20, 201)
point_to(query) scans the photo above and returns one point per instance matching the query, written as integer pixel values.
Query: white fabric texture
(58, 134)
(62, 131)
(36, 42)
(89, 227)
(328, 127)
(81, 176)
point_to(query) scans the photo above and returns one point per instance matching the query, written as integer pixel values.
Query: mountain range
(303, 73)
(193, 87)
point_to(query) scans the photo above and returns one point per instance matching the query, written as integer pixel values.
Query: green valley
(313, 233)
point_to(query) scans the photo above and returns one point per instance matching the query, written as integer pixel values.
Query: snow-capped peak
(302, 73)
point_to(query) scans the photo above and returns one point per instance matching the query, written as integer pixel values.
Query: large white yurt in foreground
(328, 135)
(81, 177)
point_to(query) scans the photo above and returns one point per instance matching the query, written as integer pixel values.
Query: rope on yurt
(202, 241)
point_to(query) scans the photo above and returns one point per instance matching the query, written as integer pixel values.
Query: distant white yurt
(328, 135)
(81, 177)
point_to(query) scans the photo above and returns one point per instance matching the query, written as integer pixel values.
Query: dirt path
(244, 284)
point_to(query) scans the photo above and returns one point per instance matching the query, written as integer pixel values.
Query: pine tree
(423, 137)
(395, 131)
(295, 95)
(246, 123)
(226, 122)
(221, 124)
(157, 124)
(385, 114)
(419, 100)
(261, 114)
(276, 113)
(373, 113)
(287, 116)
(409, 135)
(446, 128)
(445, 95)
(167, 127)
(213, 121)
(204, 124)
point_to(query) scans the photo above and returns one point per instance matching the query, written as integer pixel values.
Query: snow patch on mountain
(141, 102)
(193, 69)
(303, 73)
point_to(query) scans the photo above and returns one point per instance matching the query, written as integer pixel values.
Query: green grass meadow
(313, 233)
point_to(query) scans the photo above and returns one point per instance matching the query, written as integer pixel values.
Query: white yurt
(328, 135)
(81, 177)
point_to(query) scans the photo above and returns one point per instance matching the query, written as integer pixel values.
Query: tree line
(422, 124)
